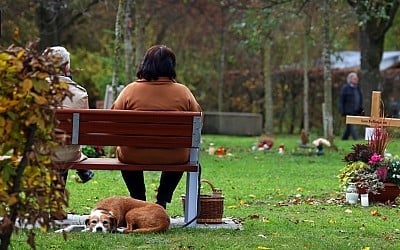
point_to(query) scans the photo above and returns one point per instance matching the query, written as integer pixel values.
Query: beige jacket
(160, 95)
(71, 153)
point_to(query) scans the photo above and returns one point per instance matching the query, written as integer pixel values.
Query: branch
(21, 168)
(24, 161)
(74, 18)
(391, 14)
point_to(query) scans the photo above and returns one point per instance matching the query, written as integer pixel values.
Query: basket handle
(215, 191)
(209, 183)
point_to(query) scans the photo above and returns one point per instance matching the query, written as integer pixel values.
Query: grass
(287, 201)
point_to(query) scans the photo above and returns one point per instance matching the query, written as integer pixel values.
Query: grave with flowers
(368, 167)
(372, 173)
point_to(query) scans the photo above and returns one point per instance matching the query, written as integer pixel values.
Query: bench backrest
(144, 129)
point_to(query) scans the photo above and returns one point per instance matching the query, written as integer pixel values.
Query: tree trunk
(117, 47)
(220, 97)
(139, 31)
(306, 82)
(128, 42)
(220, 86)
(112, 91)
(54, 17)
(371, 56)
(47, 22)
(268, 103)
(328, 117)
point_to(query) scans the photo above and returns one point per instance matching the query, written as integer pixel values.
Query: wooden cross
(376, 119)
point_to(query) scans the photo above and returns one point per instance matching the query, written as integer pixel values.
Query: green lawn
(289, 201)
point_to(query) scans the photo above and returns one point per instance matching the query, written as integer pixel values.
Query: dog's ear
(113, 223)
(87, 221)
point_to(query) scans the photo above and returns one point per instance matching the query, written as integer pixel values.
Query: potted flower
(371, 171)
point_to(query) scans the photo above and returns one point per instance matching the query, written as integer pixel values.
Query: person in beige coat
(79, 99)
(155, 90)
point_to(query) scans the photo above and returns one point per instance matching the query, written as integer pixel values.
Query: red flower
(382, 173)
(375, 158)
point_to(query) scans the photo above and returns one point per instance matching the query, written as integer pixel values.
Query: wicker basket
(211, 206)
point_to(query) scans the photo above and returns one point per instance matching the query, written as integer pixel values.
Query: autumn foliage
(30, 190)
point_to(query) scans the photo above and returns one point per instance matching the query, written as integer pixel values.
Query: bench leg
(192, 193)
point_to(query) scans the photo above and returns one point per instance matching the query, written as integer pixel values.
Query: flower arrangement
(368, 167)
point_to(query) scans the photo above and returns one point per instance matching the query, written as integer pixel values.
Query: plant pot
(389, 193)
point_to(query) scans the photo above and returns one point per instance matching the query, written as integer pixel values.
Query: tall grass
(289, 201)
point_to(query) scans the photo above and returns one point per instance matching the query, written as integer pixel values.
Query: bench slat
(133, 141)
(173, 117)
(129, 128)
(114, 164)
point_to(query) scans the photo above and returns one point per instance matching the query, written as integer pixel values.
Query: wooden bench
(144, 129)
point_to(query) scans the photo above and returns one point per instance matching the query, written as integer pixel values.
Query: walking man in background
(350, 103)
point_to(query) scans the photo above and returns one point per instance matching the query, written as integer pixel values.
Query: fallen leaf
(254, 216)
(332, 221)
(265, 220)
(375, 213)
(348, 211)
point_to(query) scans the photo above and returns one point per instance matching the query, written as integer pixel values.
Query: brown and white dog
(127, 215)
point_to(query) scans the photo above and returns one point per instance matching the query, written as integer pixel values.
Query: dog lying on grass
(125, 215)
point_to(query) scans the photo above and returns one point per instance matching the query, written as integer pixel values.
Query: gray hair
(349, 76)
(58, 54)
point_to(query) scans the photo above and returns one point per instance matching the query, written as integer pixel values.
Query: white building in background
(351, 59)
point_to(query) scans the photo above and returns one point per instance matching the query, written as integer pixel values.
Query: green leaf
(11, 114)
(40, 85)
(7, 169)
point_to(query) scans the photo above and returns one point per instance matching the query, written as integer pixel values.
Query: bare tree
(222, 61)
(112, 91)
(326, 53)
(139, 31)
(306, 82)
(54, 17)
(128, 50)
(268, 103)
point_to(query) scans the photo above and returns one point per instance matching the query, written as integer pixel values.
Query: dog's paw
(71, 228)
(121, 229)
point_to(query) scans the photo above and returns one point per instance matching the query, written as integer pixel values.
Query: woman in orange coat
(155, 90)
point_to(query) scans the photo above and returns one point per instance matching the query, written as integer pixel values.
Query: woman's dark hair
(158, 61)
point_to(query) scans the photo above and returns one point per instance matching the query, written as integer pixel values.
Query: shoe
(162, 203)
(85, 175)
